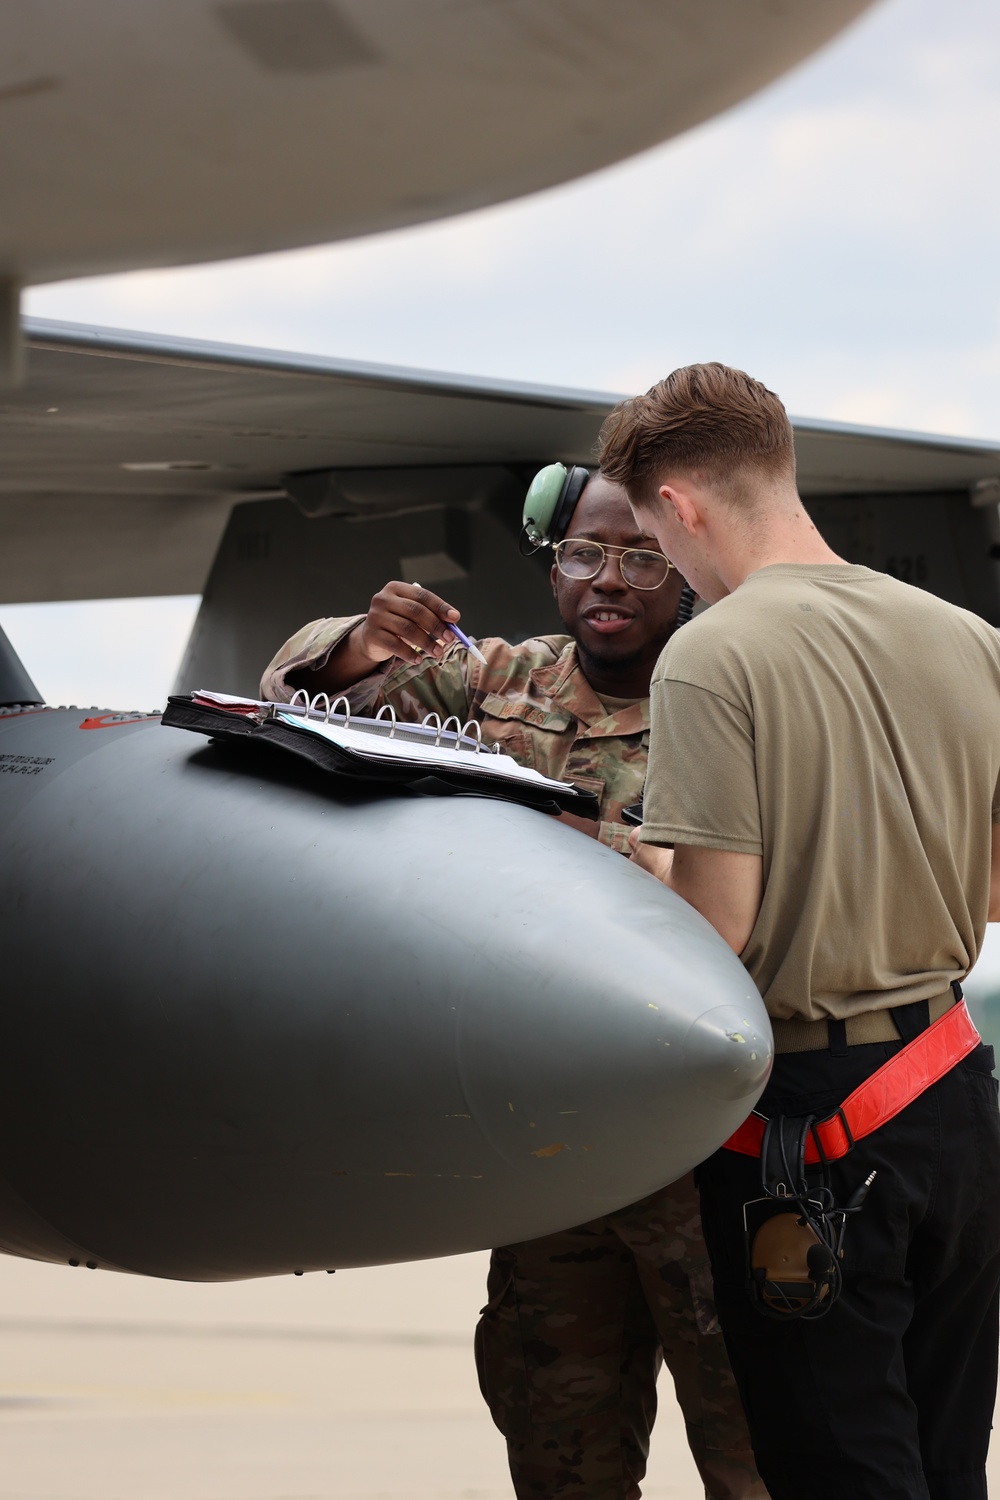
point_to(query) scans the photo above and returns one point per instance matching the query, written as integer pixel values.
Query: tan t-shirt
(846, 727)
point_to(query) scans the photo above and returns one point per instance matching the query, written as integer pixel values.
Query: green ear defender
(550, 503)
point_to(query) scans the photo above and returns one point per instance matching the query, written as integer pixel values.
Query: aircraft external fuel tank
(251, 1024)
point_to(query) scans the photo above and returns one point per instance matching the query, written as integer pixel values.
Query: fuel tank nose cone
(385, 1028)
(730, 1051)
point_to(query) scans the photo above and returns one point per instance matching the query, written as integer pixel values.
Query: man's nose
(609, 578)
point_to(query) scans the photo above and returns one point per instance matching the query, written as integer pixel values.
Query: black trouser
(890, 1396)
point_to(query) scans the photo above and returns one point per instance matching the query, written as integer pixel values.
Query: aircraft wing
(136, 464)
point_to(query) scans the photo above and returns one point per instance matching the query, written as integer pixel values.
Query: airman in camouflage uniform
(577, 1324)
(532, 699)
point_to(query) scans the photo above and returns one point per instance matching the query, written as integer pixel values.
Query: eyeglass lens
(641, 569)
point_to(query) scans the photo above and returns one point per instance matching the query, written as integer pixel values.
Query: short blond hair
(708, 420)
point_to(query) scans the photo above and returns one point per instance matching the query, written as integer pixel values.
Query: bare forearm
(725, 887)
(657, 861)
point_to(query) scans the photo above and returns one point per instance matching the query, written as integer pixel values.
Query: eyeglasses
(579, 558)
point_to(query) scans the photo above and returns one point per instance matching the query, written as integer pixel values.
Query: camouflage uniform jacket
(532, 699)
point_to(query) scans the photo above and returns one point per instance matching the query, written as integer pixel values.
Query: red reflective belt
(875, 1102)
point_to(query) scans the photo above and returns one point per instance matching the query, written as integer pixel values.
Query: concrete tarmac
(358, 1386)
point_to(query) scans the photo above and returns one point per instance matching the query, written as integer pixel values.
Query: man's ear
(553, 575)
(681, 503)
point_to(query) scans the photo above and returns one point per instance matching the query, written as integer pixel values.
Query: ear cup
(550, 503)
(782, 1267)
(542, 501)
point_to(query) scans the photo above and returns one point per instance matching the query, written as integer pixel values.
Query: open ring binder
(467, 736)
(430, 756)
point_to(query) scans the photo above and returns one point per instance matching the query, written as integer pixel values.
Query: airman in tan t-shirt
(823, 765)
(788, 723)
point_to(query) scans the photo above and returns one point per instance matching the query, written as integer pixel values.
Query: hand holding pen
(462, 637)
(409, 622)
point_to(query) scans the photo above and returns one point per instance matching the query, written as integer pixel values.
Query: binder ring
(387, 708)
(427, 725)
(314, 706)
(346, 710)
(495, 748)
(453, 719)
(474, 730)
(300, 692)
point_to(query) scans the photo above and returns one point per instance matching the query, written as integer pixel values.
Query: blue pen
(469, 646)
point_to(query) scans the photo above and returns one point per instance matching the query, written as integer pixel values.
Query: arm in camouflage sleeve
(308, 647)
(616, 836)
(413, 690)
(404, 623)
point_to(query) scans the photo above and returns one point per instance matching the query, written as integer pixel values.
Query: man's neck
(786, 538)
(629, 680)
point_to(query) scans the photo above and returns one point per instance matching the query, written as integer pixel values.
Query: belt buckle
(815, 1128)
